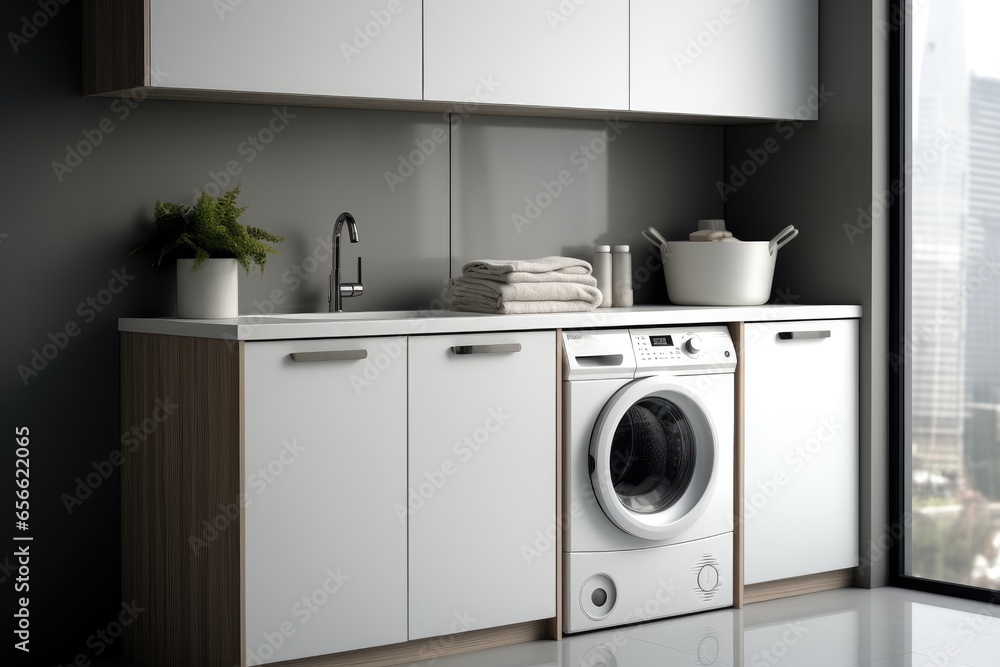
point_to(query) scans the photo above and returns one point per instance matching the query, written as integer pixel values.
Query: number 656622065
(21, 468)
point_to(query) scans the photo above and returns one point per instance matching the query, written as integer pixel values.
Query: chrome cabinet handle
(496, 348)
(802, 335)
(330, 355)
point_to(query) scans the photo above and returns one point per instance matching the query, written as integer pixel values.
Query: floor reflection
(886, 627)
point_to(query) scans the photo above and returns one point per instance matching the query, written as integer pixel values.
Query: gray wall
(821, 178)
(65, 238)
(508, 201)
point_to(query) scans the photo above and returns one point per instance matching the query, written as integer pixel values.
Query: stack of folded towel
(544, 285)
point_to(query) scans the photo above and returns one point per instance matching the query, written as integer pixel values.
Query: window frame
(900, 120)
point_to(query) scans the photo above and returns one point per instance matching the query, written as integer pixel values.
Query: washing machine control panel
(681, 349)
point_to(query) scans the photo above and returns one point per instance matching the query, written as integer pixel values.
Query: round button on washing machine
(708, 578)
(693, 345)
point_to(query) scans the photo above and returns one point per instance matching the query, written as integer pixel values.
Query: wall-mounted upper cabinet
(731, 58)
(711, 60)
(363, 48)
(549, 54)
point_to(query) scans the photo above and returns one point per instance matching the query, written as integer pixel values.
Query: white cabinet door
(801, 461)
(482, 474)
(525, 52)
(325, 464)
(365, 48)
(725, 57)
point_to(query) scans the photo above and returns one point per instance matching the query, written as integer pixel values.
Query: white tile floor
(887, 627)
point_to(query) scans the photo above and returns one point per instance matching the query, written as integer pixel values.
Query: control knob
(693, 345)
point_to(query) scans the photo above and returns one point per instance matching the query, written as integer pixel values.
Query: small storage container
(735, 273)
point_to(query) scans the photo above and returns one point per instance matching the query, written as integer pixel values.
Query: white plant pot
(210, 292)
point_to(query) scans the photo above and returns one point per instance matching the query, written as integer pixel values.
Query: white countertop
(402, 323)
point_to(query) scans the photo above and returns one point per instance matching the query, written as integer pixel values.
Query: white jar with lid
(602, 273)
(621, 276)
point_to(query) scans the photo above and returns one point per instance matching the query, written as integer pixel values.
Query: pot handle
(654, 237)
(782, 238)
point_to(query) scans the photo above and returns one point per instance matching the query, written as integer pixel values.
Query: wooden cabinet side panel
(115, 45)
(736, 330)
(181, 532)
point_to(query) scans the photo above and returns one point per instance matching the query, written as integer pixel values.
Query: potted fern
(210, 244)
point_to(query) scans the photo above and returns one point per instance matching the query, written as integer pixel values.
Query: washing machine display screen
(652, 455)
(661, 341)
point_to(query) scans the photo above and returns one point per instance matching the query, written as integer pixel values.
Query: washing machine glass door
(653, 458)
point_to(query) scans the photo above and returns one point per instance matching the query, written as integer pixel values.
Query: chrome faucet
(338, 290)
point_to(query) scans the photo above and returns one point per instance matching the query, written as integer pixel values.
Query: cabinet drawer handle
(497, 348)
(802, 335)
(330, 355)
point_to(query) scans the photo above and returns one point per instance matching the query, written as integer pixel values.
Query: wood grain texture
(736, 330)
(812, 583)
(115, 46)
(183, 394)
(555, 627)
(429, 650)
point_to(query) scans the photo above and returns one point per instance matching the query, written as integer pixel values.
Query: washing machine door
(653, 458)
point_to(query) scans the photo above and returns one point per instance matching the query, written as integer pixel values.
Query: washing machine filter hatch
(652, 455)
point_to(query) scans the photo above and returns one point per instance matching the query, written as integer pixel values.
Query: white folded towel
(567, 265)
(544, 285)
(522, 307)
(525, 277)
(490, 296)
(498, 293)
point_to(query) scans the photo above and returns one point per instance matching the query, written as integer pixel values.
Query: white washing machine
(648, 474)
